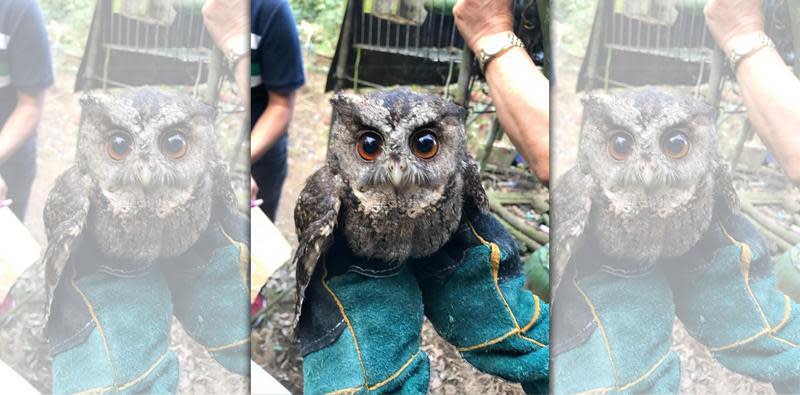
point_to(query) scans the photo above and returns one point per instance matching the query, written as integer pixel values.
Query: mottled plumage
(396, 204)
(655, 200)
(146, 179)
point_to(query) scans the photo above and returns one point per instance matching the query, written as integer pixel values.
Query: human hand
(480, 19)
(253, 189)
(226, 20)
(727, 19)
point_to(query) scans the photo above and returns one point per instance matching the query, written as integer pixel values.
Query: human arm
(272, 124)
(21, 125)
(520, 92)
(770, 91)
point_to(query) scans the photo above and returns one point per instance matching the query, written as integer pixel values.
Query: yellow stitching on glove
(647, 373)
(599, 326)
(395, 374)
(227, 346)
(244, 258)
(100, 329)
(347, 321)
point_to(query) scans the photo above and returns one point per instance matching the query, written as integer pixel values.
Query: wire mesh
(666, 28)
(181, 36)
(434, 39)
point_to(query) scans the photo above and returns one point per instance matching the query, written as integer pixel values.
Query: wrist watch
(744, 46)
(495, 46)
(236, 50)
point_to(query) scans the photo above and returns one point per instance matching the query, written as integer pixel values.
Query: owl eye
(173, 145)
(675, 144)
(118, 146)
(620, 145)
(369, 145)
(424, 144)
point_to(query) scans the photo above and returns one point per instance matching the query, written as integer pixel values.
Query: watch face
(493, 47)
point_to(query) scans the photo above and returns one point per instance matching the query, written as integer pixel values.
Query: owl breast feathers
(649, 178)
(146, 181)
(396, 181)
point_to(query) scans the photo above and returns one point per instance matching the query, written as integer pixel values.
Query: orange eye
(675, 144)
(118, 146)
(425, 144)
(369, 146)
(620, 145)
(173, 145)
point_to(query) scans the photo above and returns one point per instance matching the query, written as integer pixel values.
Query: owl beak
(397, 177)
(650, 181)
(648, 177)
(146, 178)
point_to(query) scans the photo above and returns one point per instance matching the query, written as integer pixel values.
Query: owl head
(648, 143)
(146, 144)
(153, 159)
(397, 145)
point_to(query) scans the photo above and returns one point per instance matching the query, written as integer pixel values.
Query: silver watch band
(485, 58)
(760, 41)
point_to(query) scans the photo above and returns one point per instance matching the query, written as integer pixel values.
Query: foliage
(70, 17)
(322, 21)
(574, 18)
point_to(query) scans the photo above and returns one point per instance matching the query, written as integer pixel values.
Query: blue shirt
(276, 59)
(25, 63)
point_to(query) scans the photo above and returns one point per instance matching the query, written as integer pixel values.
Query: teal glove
(474, 295)
(727, 300)
(211, 294)
(109, 330)
(124, 346)
(624, 346)
(360, 334)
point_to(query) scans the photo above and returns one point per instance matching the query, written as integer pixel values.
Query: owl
(649, 179)
(146, 181)
(397, 178)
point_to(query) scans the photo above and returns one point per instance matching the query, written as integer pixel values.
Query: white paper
(18, 250)
(268, 250)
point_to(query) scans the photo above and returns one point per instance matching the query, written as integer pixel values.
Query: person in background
(520, 92)
(277, 73)
(771, 92)
(25, 73)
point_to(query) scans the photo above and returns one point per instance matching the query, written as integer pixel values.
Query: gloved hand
(110, 324)
(474, 294)
(210, 292)
(109, 328)
(360, 327)
(727, 299)
(613, 329)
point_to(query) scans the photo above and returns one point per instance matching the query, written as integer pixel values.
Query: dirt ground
(22, 342)
(271, 342)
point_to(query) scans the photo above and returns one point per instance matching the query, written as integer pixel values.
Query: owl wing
(473, 189)
(570, 217)
(315, 217)
(726, 199)
(65, 218)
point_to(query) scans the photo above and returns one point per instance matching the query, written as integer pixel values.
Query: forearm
(19, 127)
(272, 124)
(521, 95)
(772, 96)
